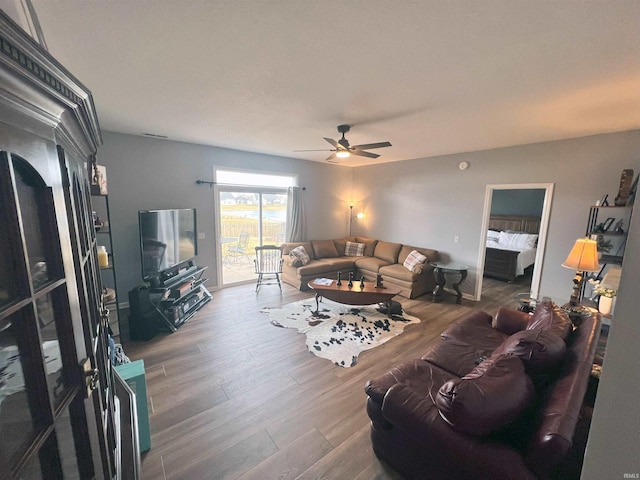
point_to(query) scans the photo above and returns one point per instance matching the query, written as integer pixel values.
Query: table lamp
(582, 258)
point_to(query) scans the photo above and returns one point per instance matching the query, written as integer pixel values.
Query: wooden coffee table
(355, 295)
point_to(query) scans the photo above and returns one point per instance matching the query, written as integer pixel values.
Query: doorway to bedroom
(513, 237)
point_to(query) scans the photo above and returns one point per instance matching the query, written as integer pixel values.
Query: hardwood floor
(232, 397)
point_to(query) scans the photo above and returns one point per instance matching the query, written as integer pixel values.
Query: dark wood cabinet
(500, 263)
(58, 410)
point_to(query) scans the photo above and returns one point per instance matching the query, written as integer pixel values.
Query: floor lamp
(350, 218)
(582, 258)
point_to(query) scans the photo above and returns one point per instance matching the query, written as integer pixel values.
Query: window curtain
(295, 215)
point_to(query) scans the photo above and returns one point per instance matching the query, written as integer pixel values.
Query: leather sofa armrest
(510, 321)
(449, 453)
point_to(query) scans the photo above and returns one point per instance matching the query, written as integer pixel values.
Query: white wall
(145, 173)
(428, 202)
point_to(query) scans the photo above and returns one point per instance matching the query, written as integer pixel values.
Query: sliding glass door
(248, 216)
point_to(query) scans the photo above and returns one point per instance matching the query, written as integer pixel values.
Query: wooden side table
(440, 270)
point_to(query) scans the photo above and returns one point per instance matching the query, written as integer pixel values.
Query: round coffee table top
(355, 295)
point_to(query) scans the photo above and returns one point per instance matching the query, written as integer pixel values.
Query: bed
(511, 245)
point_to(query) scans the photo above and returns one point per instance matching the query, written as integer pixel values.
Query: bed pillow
(493, 236)
(414, 259)
(518, 241)
(353, 249)
(300, 255)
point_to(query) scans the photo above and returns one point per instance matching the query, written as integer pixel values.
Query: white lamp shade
(583, 256)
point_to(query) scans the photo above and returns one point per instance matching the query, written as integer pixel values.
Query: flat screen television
(167, 239)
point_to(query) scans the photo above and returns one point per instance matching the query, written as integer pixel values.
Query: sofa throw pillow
(353, 249)
(413, 259)
(324, 248)
(301, 255)
(490, 397)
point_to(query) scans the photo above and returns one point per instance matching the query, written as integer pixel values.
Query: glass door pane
(274, 218)
(18, 424)
(239, 234)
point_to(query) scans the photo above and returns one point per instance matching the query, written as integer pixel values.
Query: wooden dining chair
(268, 262)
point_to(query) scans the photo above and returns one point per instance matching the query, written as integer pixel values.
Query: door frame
(542, 234)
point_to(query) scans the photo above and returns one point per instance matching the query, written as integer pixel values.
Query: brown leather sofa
(496, 398)
(327, 258)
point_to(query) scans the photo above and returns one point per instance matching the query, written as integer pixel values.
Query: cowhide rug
(339, 332)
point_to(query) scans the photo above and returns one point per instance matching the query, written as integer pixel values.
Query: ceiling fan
(342, 149)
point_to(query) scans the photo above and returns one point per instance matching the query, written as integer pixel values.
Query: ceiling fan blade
(369, 146)
(323, 150)
(362, 153)
(331, 157)
(333, 142)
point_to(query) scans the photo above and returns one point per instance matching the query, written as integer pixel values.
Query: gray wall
(518, 202)
(423, 202)
(146, 174)
(429, 202)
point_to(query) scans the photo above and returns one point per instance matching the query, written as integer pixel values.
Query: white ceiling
(431, 77)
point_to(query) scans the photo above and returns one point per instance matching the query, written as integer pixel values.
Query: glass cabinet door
(43, 429)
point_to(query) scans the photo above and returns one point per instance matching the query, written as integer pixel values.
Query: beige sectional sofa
(327, 258)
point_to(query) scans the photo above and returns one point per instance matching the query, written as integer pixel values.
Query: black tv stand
(177, 294)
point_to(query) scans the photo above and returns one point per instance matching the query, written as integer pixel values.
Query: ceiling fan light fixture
(343, 154)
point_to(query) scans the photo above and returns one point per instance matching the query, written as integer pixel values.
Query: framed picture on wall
(607, 224)
(99, 180)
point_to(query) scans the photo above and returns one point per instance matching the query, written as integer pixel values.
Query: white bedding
(525, 243)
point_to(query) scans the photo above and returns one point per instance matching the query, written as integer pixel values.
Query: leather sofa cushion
(387, 251)
(510, 321)
(324, 249)
(548, 315)
(369, 245)
(475, 329)
(458, 358)
(422, 377)
(370, 264)
(490, 397)
(541, 352)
